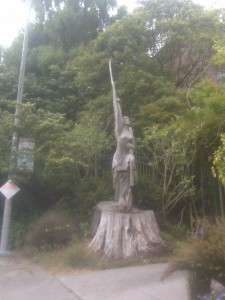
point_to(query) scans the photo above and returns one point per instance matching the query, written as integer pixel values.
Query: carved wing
(117, 109)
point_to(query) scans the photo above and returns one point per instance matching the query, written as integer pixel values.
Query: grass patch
(65, 259)
(76, 257)
(58, 248)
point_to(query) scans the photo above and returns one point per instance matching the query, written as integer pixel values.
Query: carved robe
(123, 168)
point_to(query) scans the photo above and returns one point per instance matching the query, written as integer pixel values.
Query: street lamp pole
(15, 140)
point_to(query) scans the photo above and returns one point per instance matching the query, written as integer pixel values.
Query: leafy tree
(47, 62)
(91, 143)
(139, 81)
(38, 36)
(162, 47)
(6, 129)
(218, 160)
(40, 189)
(171, 154)
(163, 111)
(56, 92)
(69, 23)
(218, 59)
(64, 153)
(12, 55)
(8, 87)
(207, 112)
(45, 8)
(181, 37)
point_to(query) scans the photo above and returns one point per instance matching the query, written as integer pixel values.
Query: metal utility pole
(15, 140)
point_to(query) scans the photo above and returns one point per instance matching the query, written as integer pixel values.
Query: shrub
(18, 231)
(147, 194)
(91, 191)
(180, 232)
(52, 229)
(204, 256)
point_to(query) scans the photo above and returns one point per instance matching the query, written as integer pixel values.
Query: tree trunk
(121, 234)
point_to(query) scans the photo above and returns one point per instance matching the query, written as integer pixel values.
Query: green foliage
(139, 81)
(147, 193)
(219, 160)
(91, 191)
(6, 129)
(65, 155)
(162, 111)
(8, 87)
(179, 232)
(52, 229)
(68, 109)
(91, 142)
(181, 36)
(218, 59)
(208, 95)
(208, 113)
(84, 227)
(205, 255)
(45, 8)
(55, 91)
(70, 23)
(41, 59)
(12, 55)
(48, 131)
(18, 232)
(171, 154)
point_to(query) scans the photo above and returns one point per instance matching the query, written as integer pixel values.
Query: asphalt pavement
(20, 279)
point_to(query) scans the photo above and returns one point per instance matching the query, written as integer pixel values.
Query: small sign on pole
(9, 189)
(25, 154)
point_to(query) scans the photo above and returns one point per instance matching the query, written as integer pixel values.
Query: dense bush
(204, 256)
(52, 229)
(91, 191)
(18, 232)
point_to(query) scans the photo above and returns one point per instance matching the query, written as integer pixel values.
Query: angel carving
(123, 164)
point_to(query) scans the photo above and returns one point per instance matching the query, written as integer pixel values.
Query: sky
(13, 16)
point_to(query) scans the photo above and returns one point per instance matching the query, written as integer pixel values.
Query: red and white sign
(9, 189)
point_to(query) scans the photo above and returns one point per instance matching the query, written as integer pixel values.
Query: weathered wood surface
(118, 234)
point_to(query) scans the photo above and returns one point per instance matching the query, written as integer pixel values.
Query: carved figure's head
(126, 121)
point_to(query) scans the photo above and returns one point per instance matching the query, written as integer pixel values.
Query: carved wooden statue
(118, 229)
(123, 160)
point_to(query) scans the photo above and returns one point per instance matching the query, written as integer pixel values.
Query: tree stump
(121, 234)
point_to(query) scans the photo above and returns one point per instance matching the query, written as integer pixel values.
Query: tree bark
(119, 234)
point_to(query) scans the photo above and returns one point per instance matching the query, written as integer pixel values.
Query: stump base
(121, 234)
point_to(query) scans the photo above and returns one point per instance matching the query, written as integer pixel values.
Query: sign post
(9, 189)
(13, 158)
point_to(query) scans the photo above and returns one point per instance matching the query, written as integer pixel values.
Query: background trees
(162, 55)
(181, 37)
(172, 152)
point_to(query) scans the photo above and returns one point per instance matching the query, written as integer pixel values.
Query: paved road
(22, 280)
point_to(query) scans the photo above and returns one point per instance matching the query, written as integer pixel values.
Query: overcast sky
(13, 16)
